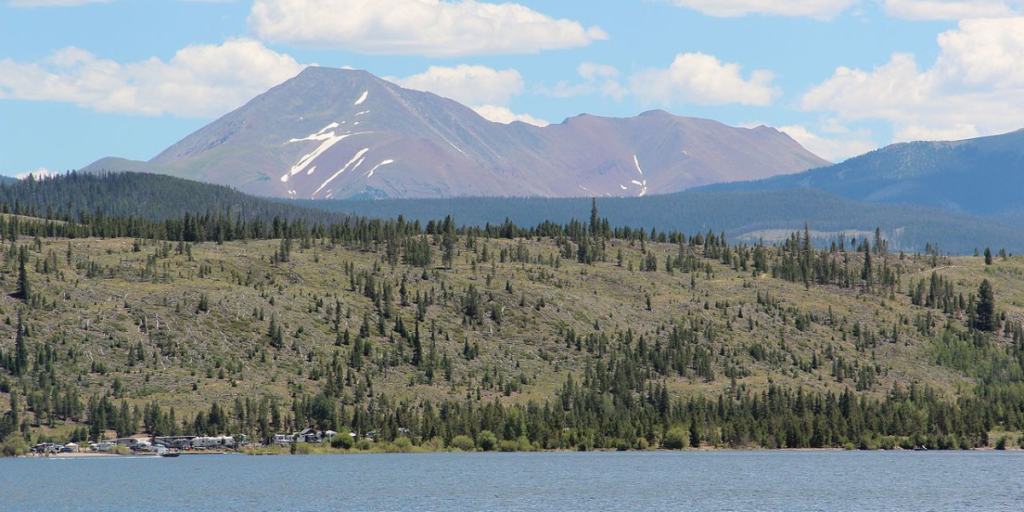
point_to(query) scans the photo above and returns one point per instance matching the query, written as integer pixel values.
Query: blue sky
(84, 79)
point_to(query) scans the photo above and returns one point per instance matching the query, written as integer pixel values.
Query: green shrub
(13, 446)
(486, 440)
(364, 445)
(435, 444)
(304, 449)
(464, 443)
(403, 445)
(342, 441)
(525, 445)
(508, 446)
(119, 450)
(676, 438)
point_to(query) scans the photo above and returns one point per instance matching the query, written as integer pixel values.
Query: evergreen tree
(985, 318)
(24, 286)
(448, 242)
(20, 366)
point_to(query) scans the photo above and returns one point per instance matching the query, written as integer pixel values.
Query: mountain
(982, 176)
(332, 133)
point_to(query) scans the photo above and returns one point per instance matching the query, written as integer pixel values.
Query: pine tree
(20, 366)
(985, 318)
(867, 272)
(448, 242)
(24, 286)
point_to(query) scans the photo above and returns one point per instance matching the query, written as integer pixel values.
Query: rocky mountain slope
(331, 133)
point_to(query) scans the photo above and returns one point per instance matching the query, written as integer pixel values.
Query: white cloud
(955, 132)
(950, 9)
(834, 149)
(975, 87)
(500, 114)
(598, 79)
(697, 78)
(421, 27)
(819, 9)
(41, 172)
(198, 81)
(470, 85)
(485, 90)
(54, 3)
(592, 71)
(73, 3)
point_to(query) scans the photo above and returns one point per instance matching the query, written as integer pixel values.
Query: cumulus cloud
(975, 87)
(54, 3)
(835, 148)
(697, 78)
(819, 9)
(500, 114)
(597, 79)
(39, 173)
(692, 78)
(434, 28)
(470, 85)
(72, 3)
(198, 81)
(951, 9)
(485, 90)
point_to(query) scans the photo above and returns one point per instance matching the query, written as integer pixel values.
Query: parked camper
(103, 446)
(214, 442)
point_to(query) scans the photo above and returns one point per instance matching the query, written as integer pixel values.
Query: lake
(627, 481)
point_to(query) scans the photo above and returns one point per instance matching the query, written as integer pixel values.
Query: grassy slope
(100, 317)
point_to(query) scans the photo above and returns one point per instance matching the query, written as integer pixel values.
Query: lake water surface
(547, 482)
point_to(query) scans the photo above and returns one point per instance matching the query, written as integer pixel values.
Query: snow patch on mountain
(358, 156)
(329, 140)
(378, 166)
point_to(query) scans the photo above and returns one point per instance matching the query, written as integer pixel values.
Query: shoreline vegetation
(496, 338)
(392, 448)
(1005, 441)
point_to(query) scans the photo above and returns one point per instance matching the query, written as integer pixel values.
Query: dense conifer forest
(746, 216)
(434, 335)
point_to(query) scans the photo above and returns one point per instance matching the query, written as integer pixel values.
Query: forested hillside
(124, 198)
(561, 336)
(978, 176)
(746, 216)
(153, 197)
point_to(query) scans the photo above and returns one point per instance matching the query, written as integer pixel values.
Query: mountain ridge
(330, 133)
(979, 176)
